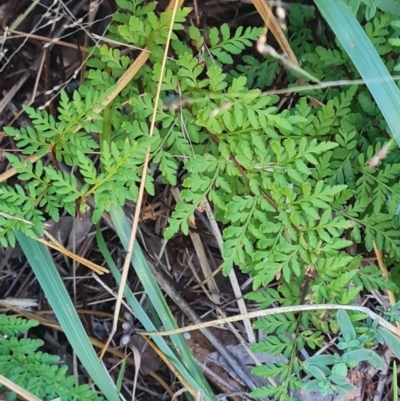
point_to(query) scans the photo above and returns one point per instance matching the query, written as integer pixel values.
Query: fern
(222, 44)
(37, 372)
(292, 189)
(258, 74)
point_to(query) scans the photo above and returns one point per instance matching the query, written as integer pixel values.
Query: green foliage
(392, 313)
(11, 326)
(35, 371)
(292, 187)
(223, 44)
(258, 74)
(330, 371)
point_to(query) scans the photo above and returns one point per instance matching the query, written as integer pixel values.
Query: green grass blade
(366, 59)
(389, 6)
(142, 315)
(52, 285)
(121, 375)
(155, 296)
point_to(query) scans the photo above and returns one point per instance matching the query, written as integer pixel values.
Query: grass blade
(141, 314)
(389, 6)
(50, 281)
(366, 59)
(191, 372)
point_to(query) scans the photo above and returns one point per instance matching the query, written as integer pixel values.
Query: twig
(191, 314)
(171, 367)
(381, 384)
(36, 63)
(385, 273)
(54, 244)
(276, 311)
(221, 312)
(216, 378)
(25, 394)
(45, 54)
(207, 279)
(198, 246)
(232, 276)
(21, 18)
(196, 276)
(19, 34)
(271, 22)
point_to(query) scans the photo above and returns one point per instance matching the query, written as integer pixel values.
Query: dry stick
(191, 314)
(196, 276)
(38, 75)
(35, 65)
(244, 344)
(18, 21)
(232, 275)
(93, 8)
(205, 266)
(196, 11)
(25, 394)
(12, 92)
(385, 273)
(125, 268)
(198, 246)
(233, 329)
(383, 378)
(275, 311)
(221, 313)
(54, 244)
(270, 21)
(174, 371)
(207, 279)
(217, 379)
(19, 34)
